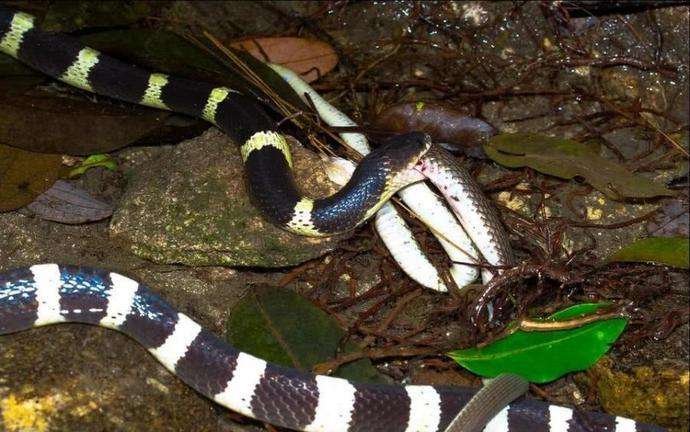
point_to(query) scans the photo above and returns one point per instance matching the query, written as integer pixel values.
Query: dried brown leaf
(69, 204)
(307, 57)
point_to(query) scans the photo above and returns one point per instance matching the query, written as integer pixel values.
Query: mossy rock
(190, 206)
(656, 394)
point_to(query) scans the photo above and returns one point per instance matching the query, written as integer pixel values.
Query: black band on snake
(49, 293)
(265, 152)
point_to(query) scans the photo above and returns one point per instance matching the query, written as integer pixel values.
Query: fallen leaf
(281, 326)
(443, 123)
(66, 121)
(671, 220)
(69, 126)
(10, 67)
(671, 251)
(69, 204)
(15, 77)
(17, 85)
(309, 58)
(568, 159)
(24, 175)
(543, 356)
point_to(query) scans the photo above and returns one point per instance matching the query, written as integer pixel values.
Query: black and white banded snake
(46, 294)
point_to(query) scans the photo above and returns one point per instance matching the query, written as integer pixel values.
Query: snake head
(402, 153)
(393, 164)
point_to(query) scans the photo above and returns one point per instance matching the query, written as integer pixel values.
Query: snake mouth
(406, 151)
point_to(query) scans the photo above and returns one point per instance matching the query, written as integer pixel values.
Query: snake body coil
(49, 293)
(265, 152)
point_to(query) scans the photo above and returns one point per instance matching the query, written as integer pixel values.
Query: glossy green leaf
(280, 326)
(568, 159)
(576, 311)
(671, 251)
(97, 160)
(545, 356)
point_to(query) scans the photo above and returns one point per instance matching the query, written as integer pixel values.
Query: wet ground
(619, 78)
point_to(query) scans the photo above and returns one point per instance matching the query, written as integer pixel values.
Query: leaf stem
(530, 325)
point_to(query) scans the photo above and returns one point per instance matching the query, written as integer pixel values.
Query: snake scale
(46, 294)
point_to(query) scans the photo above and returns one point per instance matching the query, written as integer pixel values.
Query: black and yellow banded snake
(44, 294)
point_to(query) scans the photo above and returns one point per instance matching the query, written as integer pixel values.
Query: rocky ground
(184, 225)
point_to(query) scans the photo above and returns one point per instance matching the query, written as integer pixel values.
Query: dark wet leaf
(67, 16)
(177, 128)
(97, 160)
(71, 126)
(62, 120)
(443, 123)
(16, 78)
(10, 67)
(671, 251)
(671, 221)
(568, 159)
(280, 326)
(545, 356)
(69, 204)
(25, 175)
(309, 58)
(17, 85)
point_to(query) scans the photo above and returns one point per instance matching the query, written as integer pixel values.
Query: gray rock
(190, 206)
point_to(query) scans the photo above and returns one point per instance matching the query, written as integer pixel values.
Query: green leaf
(576, 311)
(98, 160)
(280, 326)
(671, 251)
(545, 356)
(568, 159)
